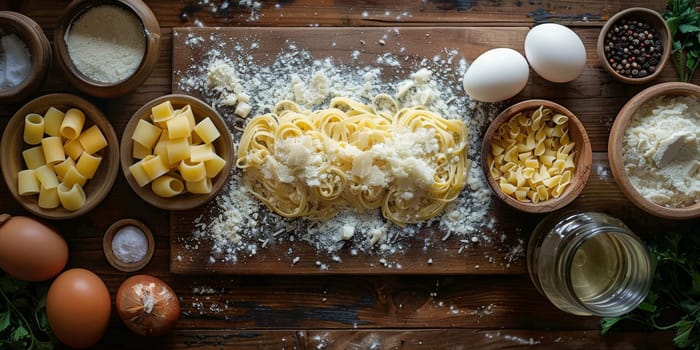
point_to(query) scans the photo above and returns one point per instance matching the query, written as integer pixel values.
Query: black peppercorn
(632, 48)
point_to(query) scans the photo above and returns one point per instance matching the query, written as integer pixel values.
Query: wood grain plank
(364, 302)
(375, 13)
(453, 339)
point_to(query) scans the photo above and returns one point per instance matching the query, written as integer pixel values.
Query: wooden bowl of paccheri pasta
(536, 156)
(654, 150)
(60, 156)
(176, 152)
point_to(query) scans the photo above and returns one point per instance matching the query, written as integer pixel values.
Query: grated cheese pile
(238, 225)
(660, 149)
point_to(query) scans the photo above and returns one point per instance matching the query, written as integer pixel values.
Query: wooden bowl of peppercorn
(634, 45)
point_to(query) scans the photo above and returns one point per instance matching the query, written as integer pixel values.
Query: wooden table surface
(495, 309)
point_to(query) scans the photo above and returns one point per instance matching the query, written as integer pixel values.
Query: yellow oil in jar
(589, 263)
(597, 265)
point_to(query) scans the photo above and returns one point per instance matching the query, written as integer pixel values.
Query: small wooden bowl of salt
(128, 245)
(27, 52)
(107, 48)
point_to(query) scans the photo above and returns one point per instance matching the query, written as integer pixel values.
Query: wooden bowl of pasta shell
(530, 177)
(13, 145)
(222, 146)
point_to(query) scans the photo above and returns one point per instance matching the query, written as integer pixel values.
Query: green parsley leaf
(23, 322)
(688, 28)
(44, 345)
(695, 289)
(607, 323)
(4, 320)
(684, 22)
(19, 334)
(673, 303)
(11, 285)
(682, 337)
(647, 306)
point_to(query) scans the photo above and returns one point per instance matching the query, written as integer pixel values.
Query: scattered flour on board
(248, 10)
(238, 225)
(497, 336)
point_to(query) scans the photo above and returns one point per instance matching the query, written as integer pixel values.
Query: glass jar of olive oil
(589, 264)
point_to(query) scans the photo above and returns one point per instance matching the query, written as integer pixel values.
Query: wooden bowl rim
(94, 197)
(584, 155)
(38, 45)
(658, 22)
(152, 34)
(109, 254)
(184, 201)
(617, 133)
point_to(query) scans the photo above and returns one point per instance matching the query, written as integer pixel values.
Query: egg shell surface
(30, 250)
(496, 75)
(78, 307)
(555, 52)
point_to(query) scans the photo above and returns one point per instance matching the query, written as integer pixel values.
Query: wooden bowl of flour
(617, 145)
(98, 72)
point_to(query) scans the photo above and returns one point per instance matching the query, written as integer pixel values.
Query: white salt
(129, 244)
(15, 61)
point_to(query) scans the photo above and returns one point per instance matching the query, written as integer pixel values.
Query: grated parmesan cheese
(661, 151)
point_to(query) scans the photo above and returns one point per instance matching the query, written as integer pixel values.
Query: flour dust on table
(241, 86)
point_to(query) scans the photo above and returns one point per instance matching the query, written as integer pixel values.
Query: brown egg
(78, 308)
(30, 250)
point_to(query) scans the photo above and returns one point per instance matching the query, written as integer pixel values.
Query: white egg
(496, 75)
(555, 52)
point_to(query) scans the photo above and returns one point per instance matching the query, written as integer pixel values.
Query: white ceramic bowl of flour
(107, 48)
(654, 150)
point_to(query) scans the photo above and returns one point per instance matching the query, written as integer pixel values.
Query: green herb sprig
(673, 302)
(23, 322)
(684, 22)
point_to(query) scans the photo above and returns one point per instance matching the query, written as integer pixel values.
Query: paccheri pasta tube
(53, 118)
(53, 150)
(92, 140)
(33, 129)
(33, 157)
(71, 197)
(64, 159)
(72, 124)
(167, 186)
(48, 197)
(172, 148)
(28, 184)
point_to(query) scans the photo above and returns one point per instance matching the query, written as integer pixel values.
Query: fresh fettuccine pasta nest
(409, 162)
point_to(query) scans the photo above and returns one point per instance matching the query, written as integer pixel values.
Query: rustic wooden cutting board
(438, 257)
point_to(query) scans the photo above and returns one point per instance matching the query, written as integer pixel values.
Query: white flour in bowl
(661, 151)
